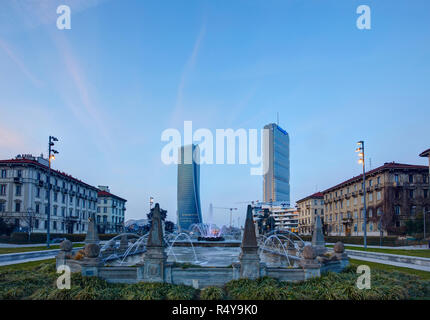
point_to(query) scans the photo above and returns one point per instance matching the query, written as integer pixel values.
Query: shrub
(181, 293)
(212, 293)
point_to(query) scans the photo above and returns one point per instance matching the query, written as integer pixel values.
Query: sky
(128, 70)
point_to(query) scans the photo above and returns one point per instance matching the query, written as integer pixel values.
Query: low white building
(24, 197)
(285, 218)
(110, 211)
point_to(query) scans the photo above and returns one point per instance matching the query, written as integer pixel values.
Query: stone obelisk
(249, 257)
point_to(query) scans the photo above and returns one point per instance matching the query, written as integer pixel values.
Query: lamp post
(360, 150)
(30, 222)
(151, 202)
(51, 156)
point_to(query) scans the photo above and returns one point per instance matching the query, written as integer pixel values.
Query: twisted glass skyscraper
(189, 210)
(276, 182)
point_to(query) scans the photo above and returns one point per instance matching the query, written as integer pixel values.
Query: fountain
(157, 257)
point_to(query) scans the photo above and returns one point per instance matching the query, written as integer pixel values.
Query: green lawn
(24, 266)
(27, 249)
(386, 267)
(405, 252)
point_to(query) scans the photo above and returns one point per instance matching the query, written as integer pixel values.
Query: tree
(5, 228)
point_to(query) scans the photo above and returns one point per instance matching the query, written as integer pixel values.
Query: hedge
(392, 241)
(22, 237)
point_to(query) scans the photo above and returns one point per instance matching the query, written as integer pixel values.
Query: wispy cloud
(189, 65)
(14, 57)
(85, 110)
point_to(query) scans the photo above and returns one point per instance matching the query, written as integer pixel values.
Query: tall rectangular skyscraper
(189, 209)
(276, 181)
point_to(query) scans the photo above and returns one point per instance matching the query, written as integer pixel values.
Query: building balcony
(17, 180)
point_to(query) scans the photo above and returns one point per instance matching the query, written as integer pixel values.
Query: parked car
(57, 240)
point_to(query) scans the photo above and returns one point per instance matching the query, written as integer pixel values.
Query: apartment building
(110, 211)
(24, 197)
(394, 193)
(271, 217)
(308, 208)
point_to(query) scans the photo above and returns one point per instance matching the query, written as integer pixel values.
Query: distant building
(110, 211)
(426, 154)
(394, 193)
(276, 182)
(24, 193)
(189, 208)
(269, 217)
(308, 209)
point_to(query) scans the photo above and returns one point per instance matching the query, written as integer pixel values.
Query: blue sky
(127, 70)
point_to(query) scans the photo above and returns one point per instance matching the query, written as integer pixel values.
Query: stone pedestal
(340, 254)
(155, 258)
(309, 263)
(123, 243)
(92, 234)
(65, 253)
(91, 261)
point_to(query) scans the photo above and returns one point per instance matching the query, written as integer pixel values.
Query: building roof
(102, 193)
(425, 153)
(386, 166)
(316, 195)
(42, 166)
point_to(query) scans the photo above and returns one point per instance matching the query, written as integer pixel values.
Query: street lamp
(360, 150)
(151, 202)
(51, 156)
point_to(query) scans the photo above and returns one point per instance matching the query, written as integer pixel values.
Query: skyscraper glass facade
(276, 182)
(189, 209)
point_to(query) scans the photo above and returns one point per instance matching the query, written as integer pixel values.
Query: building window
(396, 178)
(3, 174)
(18, 190)
(379, 212)
(19, 173)
(46, 225)
(370, 182)
(397, 210)
(63, 211)
(426, 193)
(2, 207)
(55, 196)
(104, 210)
(37, 208)
(378, 180)
(55, 211)
(63, 198)
(2, 190)
(54, 225)
(37, 192)
(413, 210)
(36, 224)
(17, 206)
(411, 178)
(378, 195)
(370, 196)
(411, 194)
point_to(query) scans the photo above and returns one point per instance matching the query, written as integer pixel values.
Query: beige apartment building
(110, 211)
(24, 197)
(308, 209)
(394, 193)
